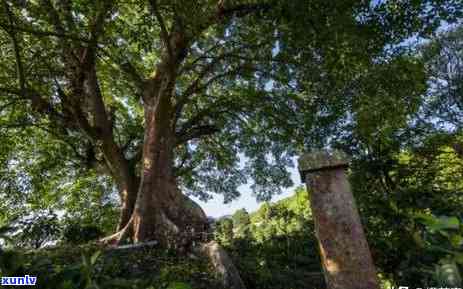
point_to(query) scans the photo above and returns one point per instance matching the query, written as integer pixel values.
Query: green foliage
(11, 263)
(407, 161)
(440, 224)
(241, 224)
(5, 231)
(443, 57)
(270, 82)
(179, 285)
(76, 233)
(89, 267)
(398, 191)
(223, 232)
(245, 60)
(45, 228)
(443, 237)
(279, 249)
(37, 230)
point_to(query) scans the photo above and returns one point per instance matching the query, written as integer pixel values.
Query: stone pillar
(346, 258)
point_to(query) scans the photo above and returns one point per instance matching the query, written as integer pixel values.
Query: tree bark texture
(162, 212)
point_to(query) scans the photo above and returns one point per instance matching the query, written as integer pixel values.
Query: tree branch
(17, 52)
(196, 87)
(231, 72)
(195, 122)
(98, 23)
(54, 16)
(183, 99)
(11, 91)
(66, 7)
(127, 68)
(76, 113)
(164, 33)
(10, 103)
(239, 9)
(43, 33)
(196, 132)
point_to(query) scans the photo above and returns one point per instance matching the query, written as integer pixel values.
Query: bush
(75, 233)
(37, 230)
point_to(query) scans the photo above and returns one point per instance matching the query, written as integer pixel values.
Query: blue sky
(216, 208)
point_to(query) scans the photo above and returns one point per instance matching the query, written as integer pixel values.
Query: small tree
(224, 231)
(241, 224)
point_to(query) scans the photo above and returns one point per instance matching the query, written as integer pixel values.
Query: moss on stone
(323, 159)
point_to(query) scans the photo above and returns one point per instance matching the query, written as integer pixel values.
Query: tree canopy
(127, 108)
(238, 90)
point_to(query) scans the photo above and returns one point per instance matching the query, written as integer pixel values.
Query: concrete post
(344, 251)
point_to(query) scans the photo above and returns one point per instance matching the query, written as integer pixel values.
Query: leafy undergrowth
(85, 267)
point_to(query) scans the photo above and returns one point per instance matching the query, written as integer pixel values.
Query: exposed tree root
(177, 227)
(116, 239)
(136, 246)
(225, 270)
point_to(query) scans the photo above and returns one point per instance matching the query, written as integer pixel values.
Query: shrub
(75, 233)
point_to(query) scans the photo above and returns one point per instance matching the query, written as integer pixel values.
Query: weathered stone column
(344, 251)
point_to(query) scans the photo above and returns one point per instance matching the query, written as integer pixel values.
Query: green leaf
(95, 257)
(178, 285)
(456, 241)
(446, 223)
(459, 258)
(437, 224)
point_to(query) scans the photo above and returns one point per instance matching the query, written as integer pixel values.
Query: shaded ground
(76, 267)
(82, 267)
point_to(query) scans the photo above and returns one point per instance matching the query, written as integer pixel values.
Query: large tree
(162, 95)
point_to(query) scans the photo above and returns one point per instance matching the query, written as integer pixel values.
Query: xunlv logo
(15, 281)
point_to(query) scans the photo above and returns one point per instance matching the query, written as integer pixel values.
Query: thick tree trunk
(126, 180)
(128, 194)
(99, 127)
(161, 211)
